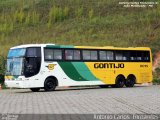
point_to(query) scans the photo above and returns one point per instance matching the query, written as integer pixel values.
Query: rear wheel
(34, 89)
(49, 84)
(120, 81)
(130, 81)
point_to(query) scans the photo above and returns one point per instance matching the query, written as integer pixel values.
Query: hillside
(78, 22)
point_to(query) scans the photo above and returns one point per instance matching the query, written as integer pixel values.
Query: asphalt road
(88, 100)
(82, 100)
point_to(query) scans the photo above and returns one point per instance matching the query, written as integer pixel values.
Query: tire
(130, 81)
(49, 84)
(103, 86)
(34, 89)
(120, 81)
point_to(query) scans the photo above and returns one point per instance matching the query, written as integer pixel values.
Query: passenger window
(94, 55)
(125, 55)
(76, 54)
(69, 54)
(110, 55)
(139, 56)
(90, 55)
(119, 55)
(102, 55)
(146, 56)
(106, 55)
(58, 54)
(52, 54)
(72, 54)
(86, 55)
(48, 54)
(133, 55)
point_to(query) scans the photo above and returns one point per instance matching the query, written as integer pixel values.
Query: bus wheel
(49, 84)
(130, 81)
(34, 89)
(120, 81)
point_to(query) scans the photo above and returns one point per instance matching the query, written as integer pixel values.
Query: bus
(47, 66)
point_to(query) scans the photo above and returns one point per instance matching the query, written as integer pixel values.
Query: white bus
(46, 66)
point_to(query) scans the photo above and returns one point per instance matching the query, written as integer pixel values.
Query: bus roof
(31, 45)
(49, 45)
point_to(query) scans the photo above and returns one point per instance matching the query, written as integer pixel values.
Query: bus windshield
(15, 60)
(19, 52)
(15, 66)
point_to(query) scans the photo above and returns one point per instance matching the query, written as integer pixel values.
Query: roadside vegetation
(156, 79)
(77, 22)
(2, 70)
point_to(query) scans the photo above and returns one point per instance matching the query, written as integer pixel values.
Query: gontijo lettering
(109, 65)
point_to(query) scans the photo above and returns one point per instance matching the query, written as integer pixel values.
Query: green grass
(77, 22)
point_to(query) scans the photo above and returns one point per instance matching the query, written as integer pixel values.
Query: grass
(77, 22)
(102, 21)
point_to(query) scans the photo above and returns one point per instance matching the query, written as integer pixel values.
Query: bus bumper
(17, 84)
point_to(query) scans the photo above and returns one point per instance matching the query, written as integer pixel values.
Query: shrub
(90, 14)
(66, 12)
(2, 69)
(156, 79)
(27, 19)
(19, 16)
(6, 28)
(35, 18)
(79, 12)
(57, 14)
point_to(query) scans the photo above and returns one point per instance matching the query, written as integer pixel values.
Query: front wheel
(34, 89)
(49, 84)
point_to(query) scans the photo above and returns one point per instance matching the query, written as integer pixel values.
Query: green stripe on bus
(70, 71)
(84, 71)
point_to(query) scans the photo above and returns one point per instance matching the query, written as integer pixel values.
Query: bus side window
(119, 55)
(110, 55)
(139, 55)
(58, 54)
(76, 55)
(68, 54)
(86, 55)
(146, 56)
(133, 55)
(48, 54)
(72, 55)
(94, 55)
(125, 55)
(31, 52)
(52, 54)
(102, 55)
(90, 55)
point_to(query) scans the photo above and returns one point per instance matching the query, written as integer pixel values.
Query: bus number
(144, 66)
